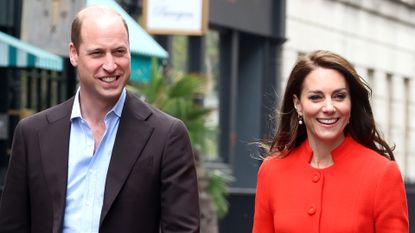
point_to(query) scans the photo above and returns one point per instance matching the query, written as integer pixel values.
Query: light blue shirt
(87, 171)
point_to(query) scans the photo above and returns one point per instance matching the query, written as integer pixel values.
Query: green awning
(17, 53)
(143, 47)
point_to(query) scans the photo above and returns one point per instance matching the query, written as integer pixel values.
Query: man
(102, 161)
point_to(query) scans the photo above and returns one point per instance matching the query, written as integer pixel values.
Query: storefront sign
(184, 17)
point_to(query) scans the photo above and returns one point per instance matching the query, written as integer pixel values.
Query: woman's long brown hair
(289, 134)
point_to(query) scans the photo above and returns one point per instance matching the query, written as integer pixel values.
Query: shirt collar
(117, 108)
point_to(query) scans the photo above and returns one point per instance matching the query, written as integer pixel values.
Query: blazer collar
(54, 148)
(132, 136)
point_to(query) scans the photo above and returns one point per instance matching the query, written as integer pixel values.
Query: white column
(410, 171)
(290, 57)
(397, 124)
(380, 100)
(363, 72)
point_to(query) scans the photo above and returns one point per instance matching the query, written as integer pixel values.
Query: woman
(328, 168)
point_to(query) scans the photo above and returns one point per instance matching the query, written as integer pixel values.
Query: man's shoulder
(147, 111)
(49, 115)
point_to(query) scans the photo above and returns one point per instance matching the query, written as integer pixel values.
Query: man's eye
(120, 52)
(96, 53)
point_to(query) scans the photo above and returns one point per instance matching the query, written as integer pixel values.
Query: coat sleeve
(263, 216)
(179, 189)
(390, 208)
(14, 205)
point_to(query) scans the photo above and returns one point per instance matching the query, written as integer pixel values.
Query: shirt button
(311, 209)
(316, 177)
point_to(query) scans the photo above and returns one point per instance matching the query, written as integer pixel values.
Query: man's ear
(297, 105)
(73, 55)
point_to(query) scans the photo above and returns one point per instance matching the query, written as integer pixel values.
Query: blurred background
(232, 69)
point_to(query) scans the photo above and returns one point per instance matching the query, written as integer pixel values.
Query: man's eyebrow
(93, 50)
(120, 47)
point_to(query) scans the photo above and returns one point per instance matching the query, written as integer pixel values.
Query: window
(211, 63)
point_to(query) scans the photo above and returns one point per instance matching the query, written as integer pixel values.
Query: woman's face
(325, 105)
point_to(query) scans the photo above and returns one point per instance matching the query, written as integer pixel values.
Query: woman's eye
(314, 97)
(340, 96)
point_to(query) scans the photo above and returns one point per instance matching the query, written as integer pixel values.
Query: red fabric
(362, 192)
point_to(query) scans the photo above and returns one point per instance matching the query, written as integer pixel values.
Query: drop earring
(300, 120)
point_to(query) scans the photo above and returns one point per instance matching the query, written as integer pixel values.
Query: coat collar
(337, 153)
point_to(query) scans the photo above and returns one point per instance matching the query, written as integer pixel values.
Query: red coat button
(316, 177)
(311, 209)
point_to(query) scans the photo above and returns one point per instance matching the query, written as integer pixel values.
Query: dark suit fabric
(151, 182)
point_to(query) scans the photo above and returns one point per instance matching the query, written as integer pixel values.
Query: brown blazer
(151, 184)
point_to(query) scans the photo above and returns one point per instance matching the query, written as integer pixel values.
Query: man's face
(103, 58)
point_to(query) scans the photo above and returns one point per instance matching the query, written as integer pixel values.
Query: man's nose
(109, 64)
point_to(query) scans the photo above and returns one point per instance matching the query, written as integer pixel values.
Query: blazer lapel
(132, 135)
(54, 147)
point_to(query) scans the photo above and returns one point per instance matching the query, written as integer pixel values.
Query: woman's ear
(297, 105)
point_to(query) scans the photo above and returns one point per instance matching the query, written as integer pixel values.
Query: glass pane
(179, 55)
(211, 63)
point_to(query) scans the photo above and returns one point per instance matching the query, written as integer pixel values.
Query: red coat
(362, 192)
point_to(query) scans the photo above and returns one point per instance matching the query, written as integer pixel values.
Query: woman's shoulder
(370, 154)
(279, 161)
(372, 160)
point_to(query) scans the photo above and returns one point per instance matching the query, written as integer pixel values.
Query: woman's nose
(329, 107)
